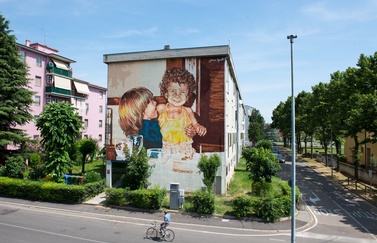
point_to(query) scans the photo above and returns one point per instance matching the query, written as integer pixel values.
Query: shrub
(92, 176)
(35, 160)
(272, 209)
(261, 188)
(116, 196)
(208, 166)
(241, 206)
(138, 171)
(14, 166)
(203, 202)
(147, 199)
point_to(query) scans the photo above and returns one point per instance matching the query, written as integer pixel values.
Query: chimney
(167, 47)
(27, 43)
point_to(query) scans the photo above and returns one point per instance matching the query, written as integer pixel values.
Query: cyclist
(165, 223)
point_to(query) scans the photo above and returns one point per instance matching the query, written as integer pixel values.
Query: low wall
(347, 169)
(364, 175)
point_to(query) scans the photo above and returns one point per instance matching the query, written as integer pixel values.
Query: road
(340, 216)
(337, 216)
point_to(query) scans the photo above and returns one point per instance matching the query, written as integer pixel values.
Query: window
(22, 56)
(37, 100)
(100, 94)
(38, 81)
(86, 108)
(100, 109)
(100, 138)
(35, 137)
(85, 136)
(86, 123)
(39, 61)
(100, 123)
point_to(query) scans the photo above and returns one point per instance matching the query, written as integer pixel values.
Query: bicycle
(154, 232)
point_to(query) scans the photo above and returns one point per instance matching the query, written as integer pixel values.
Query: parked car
(281, 158)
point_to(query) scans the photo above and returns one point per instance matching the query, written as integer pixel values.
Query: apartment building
(51, 78)
(216, 102)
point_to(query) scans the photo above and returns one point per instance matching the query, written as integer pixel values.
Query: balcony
(59, 71)
(63, 92)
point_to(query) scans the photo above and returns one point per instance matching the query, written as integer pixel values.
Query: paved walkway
(304, 218)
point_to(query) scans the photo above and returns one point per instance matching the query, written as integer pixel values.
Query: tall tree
(256, 126)
(15, 97)
(60, 126)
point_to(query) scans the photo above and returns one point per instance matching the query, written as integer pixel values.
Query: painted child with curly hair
(175, 119)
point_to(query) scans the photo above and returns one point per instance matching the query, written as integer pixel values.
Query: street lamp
(293, 180)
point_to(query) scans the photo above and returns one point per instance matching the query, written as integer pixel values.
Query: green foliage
(87, 147)
(138, 171)
(203, 202)
(35, 159)
(15, 97)
(264, 143)
(147, 199)
(92, 176)
(241, 206)
(60, 125)
(261, 188)
(256, 126)
(272, 209)
(261, 163)
(58, 163)
(142, 198)
(14, 167)
(117, 196)
(208, 166)
(49, 191)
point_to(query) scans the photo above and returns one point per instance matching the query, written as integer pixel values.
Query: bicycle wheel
(151, 233)
(169, 235)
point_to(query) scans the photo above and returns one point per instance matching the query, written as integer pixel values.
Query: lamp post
(293, 180)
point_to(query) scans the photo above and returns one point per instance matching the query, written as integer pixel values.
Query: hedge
(49, 191)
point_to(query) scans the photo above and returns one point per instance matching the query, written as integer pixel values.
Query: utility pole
(293, 144)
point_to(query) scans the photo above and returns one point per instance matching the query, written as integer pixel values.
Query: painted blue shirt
(152, 137)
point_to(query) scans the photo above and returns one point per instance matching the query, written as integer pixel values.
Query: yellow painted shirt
(173, 129)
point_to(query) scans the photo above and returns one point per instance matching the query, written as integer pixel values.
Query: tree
(208, 166)
(261, 163)
(60, 126)
(256, 126)
(138, 171)
(15, 97)
(87, 147)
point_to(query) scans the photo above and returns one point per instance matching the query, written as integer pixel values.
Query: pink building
(51, 77)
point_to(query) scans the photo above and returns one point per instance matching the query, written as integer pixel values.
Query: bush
(147, 199)
(203, 202)
(261, 188)
(241, 206)
(48, 191)
(14, 167)
(34, 160)
(92, 176)
(272, 209)
(116, 196)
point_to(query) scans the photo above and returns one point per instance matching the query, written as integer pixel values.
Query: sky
(331, 36)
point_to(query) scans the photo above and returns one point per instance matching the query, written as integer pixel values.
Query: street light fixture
(293, 180)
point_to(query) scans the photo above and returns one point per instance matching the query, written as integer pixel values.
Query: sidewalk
(344, 181)
(303, 219)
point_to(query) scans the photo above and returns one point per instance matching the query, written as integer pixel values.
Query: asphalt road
(330, 214)
(340, 216)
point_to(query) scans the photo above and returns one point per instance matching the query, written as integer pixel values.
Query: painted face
(150, 112)
(177, 94)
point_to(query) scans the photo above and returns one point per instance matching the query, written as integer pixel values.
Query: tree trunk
(357, 159)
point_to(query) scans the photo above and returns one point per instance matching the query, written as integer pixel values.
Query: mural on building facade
(174, 108)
